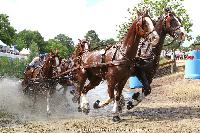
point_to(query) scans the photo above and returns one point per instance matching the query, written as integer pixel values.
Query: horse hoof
(79, 109)
(72, 92)
(116, 119)
(86, 111)
(96, 104)
(130, 105)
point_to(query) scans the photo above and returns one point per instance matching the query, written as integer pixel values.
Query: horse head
(82, 47)
(173, 25)
(52, 60)
(144, 24)
(142, 27)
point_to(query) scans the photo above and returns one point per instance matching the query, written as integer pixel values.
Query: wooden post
(173, 66)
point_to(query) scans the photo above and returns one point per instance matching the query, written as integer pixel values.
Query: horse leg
(48, 101)
(111, 86)
(94, 81)
(119, 101)
(79, 88)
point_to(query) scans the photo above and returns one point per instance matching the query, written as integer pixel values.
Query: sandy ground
(173, 106)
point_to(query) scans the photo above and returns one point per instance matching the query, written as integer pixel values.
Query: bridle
(169, 29)
(140, 25)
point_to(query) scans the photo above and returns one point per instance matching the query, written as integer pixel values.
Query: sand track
(173, 106)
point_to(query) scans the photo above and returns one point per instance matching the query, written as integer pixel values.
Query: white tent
(2, 44)
(25, 51)
(4, 47)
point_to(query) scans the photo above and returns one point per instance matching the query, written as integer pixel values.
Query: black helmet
(41, 56)
(168, 9)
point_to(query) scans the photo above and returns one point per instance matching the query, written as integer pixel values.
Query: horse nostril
(182, 35)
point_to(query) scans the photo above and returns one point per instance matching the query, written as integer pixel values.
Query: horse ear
(57, 51)
(51, 51)
(138, 13)
(79, 40)
(147, 11)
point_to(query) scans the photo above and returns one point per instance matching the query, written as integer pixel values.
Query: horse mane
(127, 38)
(77, 50)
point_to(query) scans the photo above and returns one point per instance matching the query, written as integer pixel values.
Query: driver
(36, 62)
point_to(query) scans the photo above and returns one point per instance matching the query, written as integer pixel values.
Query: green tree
(107, 42)
(196, 44)
(66, 41)
(93, 38)
(34, 51)
(7, 32)
(110, 41)
(156, 9)
(197, 40)
(26, 38)
(54, 44)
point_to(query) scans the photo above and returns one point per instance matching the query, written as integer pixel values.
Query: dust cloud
(12, 100)
(15, 102)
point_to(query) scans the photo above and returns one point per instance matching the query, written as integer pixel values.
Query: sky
(75, 18)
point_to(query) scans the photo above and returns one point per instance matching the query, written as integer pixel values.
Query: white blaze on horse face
(180, 31)
(179, 23)
(149, 24)
(182, 34)
(86, 47)
(57, 61)
(153, 36)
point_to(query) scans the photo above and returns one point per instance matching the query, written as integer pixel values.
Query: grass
(4, 114)
(163, 60)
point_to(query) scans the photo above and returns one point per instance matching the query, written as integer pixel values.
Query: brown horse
(39, 80)
(168, 23)
(113, 64)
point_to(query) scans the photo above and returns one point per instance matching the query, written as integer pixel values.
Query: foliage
(53, 44)
(156, 9)
(93, 38)
(34, 51)
(26, 38)
(12, 67)
(66, 41)
(163, 60)
(110, 41)
(196, 44)
(197, 40)
(107, 42)
(7, 32)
